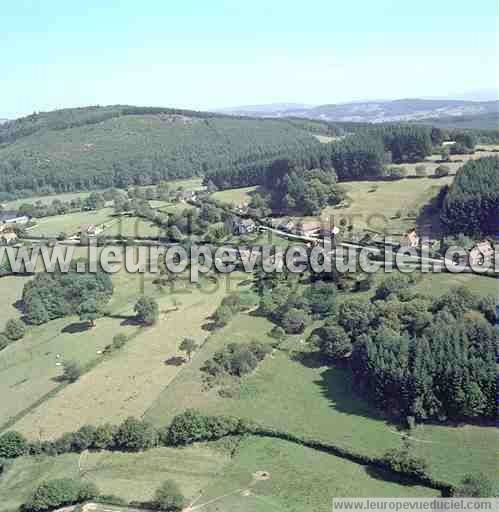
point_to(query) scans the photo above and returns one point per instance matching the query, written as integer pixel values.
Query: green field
(235, 196)
(127, 382)
(132, 227)
(389, 207)
(293, 392)
(454, 163)
(133, 476)
(299, 479)
(29, 368)
(69, 196)
(11, 289)
(436, 284)
(190, 184)
(70, 223)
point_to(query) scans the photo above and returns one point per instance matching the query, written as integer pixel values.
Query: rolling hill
(118, 146)
(376, 111)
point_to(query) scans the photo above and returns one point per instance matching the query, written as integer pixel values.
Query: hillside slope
(96, 147)
(377, 111)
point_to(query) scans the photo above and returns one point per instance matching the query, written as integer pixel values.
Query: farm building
(317, 229)
(12, 217)
(7, 237)
(481, 253)
(88, 229)
(244, 226)
(410, 239)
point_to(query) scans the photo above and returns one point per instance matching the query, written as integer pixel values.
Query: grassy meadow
(11, 290)
(70, 223)
(234, 196)
(129, 381)
(389, 207)
(133, 476)
(292, 391)
(320, 477)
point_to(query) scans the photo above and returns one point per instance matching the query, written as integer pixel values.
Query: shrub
(14, 329)
(4, 341)
(236, 359)
(147, 310)
(222, 316)
(391, 285)
(72, 371)
(192, 426)
(119, 341)
(104, 437)
(475, 486)
(83, 438)
(442, 171)
(421, 171)
(401, 461)
(58, 493)
(396, 173)
(294, 321)
(13, 444)
(135, 435)
(277, 333)
(168, 497)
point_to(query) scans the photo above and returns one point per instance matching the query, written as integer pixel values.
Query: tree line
(471, 205)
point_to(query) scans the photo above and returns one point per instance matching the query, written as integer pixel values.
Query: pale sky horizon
(208, 55)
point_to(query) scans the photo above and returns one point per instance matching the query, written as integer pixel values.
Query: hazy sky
(212, 53)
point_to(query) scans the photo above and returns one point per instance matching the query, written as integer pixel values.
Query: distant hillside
(379, 111)
(488, 121)
(258, 110)
(97, 147)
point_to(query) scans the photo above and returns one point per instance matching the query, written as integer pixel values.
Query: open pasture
(30, 368)
(11, 290)
(294, 392)
(320, 477)
(389, 207)
(235, 196)
(128, 382)
(132, 476)
(70, 223)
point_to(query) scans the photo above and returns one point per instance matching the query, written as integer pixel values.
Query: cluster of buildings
(8, 222)
(482, 252)
(316, 229)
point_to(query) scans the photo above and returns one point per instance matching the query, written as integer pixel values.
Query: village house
(12, 217)
(317, 229)
(183, 196)
(7, 237)
(312, 228)
(482, 252)
(410, 239)
(88, 229)
(244, 226)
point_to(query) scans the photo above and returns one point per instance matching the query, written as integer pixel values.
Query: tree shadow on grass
(388, 476)
(175, 361)
(19, 305)
(308, 359)
(336, 386)
(209, 326)
(76, 328)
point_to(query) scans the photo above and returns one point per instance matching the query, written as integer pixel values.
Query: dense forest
(84, 149)
(361, 154)
(471, 205)
(121, 146)
(288, 189)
